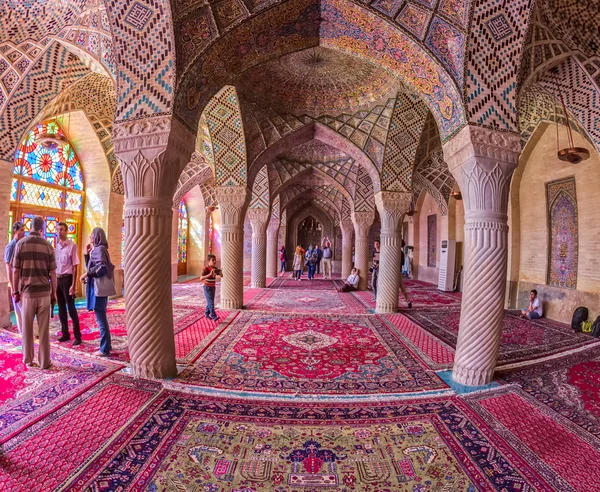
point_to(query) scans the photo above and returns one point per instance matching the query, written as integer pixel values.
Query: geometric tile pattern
(41, 84)
(226, 131)
(143, 40)
(260, 190)
(431, 171)
(196, 172)
(415, 19)
(496, 40)
(364, 200)
(209, 194)
(580, 93)
(536, 105)
(90, 34)
(448, 44)
(403, 138)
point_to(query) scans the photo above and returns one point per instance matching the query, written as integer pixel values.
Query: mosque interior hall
(300, 245)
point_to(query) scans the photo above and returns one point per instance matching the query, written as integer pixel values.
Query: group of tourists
(311, 258)
(41, 277)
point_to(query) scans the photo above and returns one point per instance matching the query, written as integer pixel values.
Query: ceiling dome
(316, 81)
(577, 23)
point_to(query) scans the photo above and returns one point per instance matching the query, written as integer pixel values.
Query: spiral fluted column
(273, 247)
(174, 241)
(482, 161)
(232, 204)
(362, 225)
(259, 219)
(151, 152)
(392, 207)
(347, 228)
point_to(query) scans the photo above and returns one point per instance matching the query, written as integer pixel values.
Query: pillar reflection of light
(217, 233)
(94, 211)
(196, 231)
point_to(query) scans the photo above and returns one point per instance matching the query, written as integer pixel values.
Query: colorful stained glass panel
(182, 233)
(14, 191)
(55, 165)
(43, 196)
(74, 201)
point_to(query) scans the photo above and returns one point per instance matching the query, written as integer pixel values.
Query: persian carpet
(197, 443)
(251, 293)
(420, 297)
(317, 284)
(431, 350)
(565, 455)
(522, 340)
(306, 301)
(45, 455)
(28, 394)
(310, 354)
(190, 341)
(569, 385)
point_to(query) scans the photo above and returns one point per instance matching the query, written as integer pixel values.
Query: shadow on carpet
(522, 340)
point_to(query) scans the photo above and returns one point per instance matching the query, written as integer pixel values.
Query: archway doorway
(182, 239)
(310, 231)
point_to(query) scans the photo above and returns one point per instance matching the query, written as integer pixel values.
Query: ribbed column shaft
(272, 252)
(232, 251)
(362, 225)
(346, 252)
(482, 310)
(259, 260)
(390, 269)
(148, 289)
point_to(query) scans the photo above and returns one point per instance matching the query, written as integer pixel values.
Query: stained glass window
(182, 233)
(51, 168)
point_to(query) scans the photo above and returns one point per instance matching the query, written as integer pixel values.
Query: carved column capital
(273, 227)
(347, 226)
(259, 219)
(152, 152)
(483, 161)
(232, 203)
(392, 206)
(362, 222)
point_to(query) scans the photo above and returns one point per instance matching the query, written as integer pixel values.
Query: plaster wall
(529, 228)
(428, 206)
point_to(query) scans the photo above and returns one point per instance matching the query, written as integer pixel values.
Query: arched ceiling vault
(211, 54)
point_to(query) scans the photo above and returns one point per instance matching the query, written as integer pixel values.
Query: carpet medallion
(28, 394)
(202, 444)
(46, 454)
(310, 354)
(566, 455)
(522, 340)
(306, 301)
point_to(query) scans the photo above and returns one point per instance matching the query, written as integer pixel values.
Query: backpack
(596, 328)
(579, 316)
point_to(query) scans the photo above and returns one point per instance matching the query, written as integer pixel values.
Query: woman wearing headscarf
(100, 271)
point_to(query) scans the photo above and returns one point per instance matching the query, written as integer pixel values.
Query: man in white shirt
(534, 310)
(67, 261)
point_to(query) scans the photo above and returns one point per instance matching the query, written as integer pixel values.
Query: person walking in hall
(67, 261)
(311, 261)
(319, 252)
(282, 259)
(209, 278)
(18, 233)
(100, 272)
(351, 283)
(327, 255)
(402, 287)
(298, 265)
(375, 268)
(34, 277)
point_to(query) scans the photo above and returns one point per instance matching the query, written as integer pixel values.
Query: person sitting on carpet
(298, 265)
(209, 278)
(351, 282)
(534, 310)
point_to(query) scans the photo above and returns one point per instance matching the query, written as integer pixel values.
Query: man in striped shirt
(34, 275)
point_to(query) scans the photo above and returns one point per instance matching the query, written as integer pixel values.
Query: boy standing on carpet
(209, 277)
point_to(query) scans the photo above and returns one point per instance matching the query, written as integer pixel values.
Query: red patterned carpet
(28, 394)
(310, 354)
(306, 301)
(522, 340)
(198, 443)
(420, 296)
(541, 437)
(317, 284)
(190, 341)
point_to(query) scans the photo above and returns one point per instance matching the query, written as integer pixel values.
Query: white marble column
(233, 201)
(347, 228)
(259, 219)
(391, 206)
(362, 225)
(114, 236)
(482, 161)
(273, 247)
